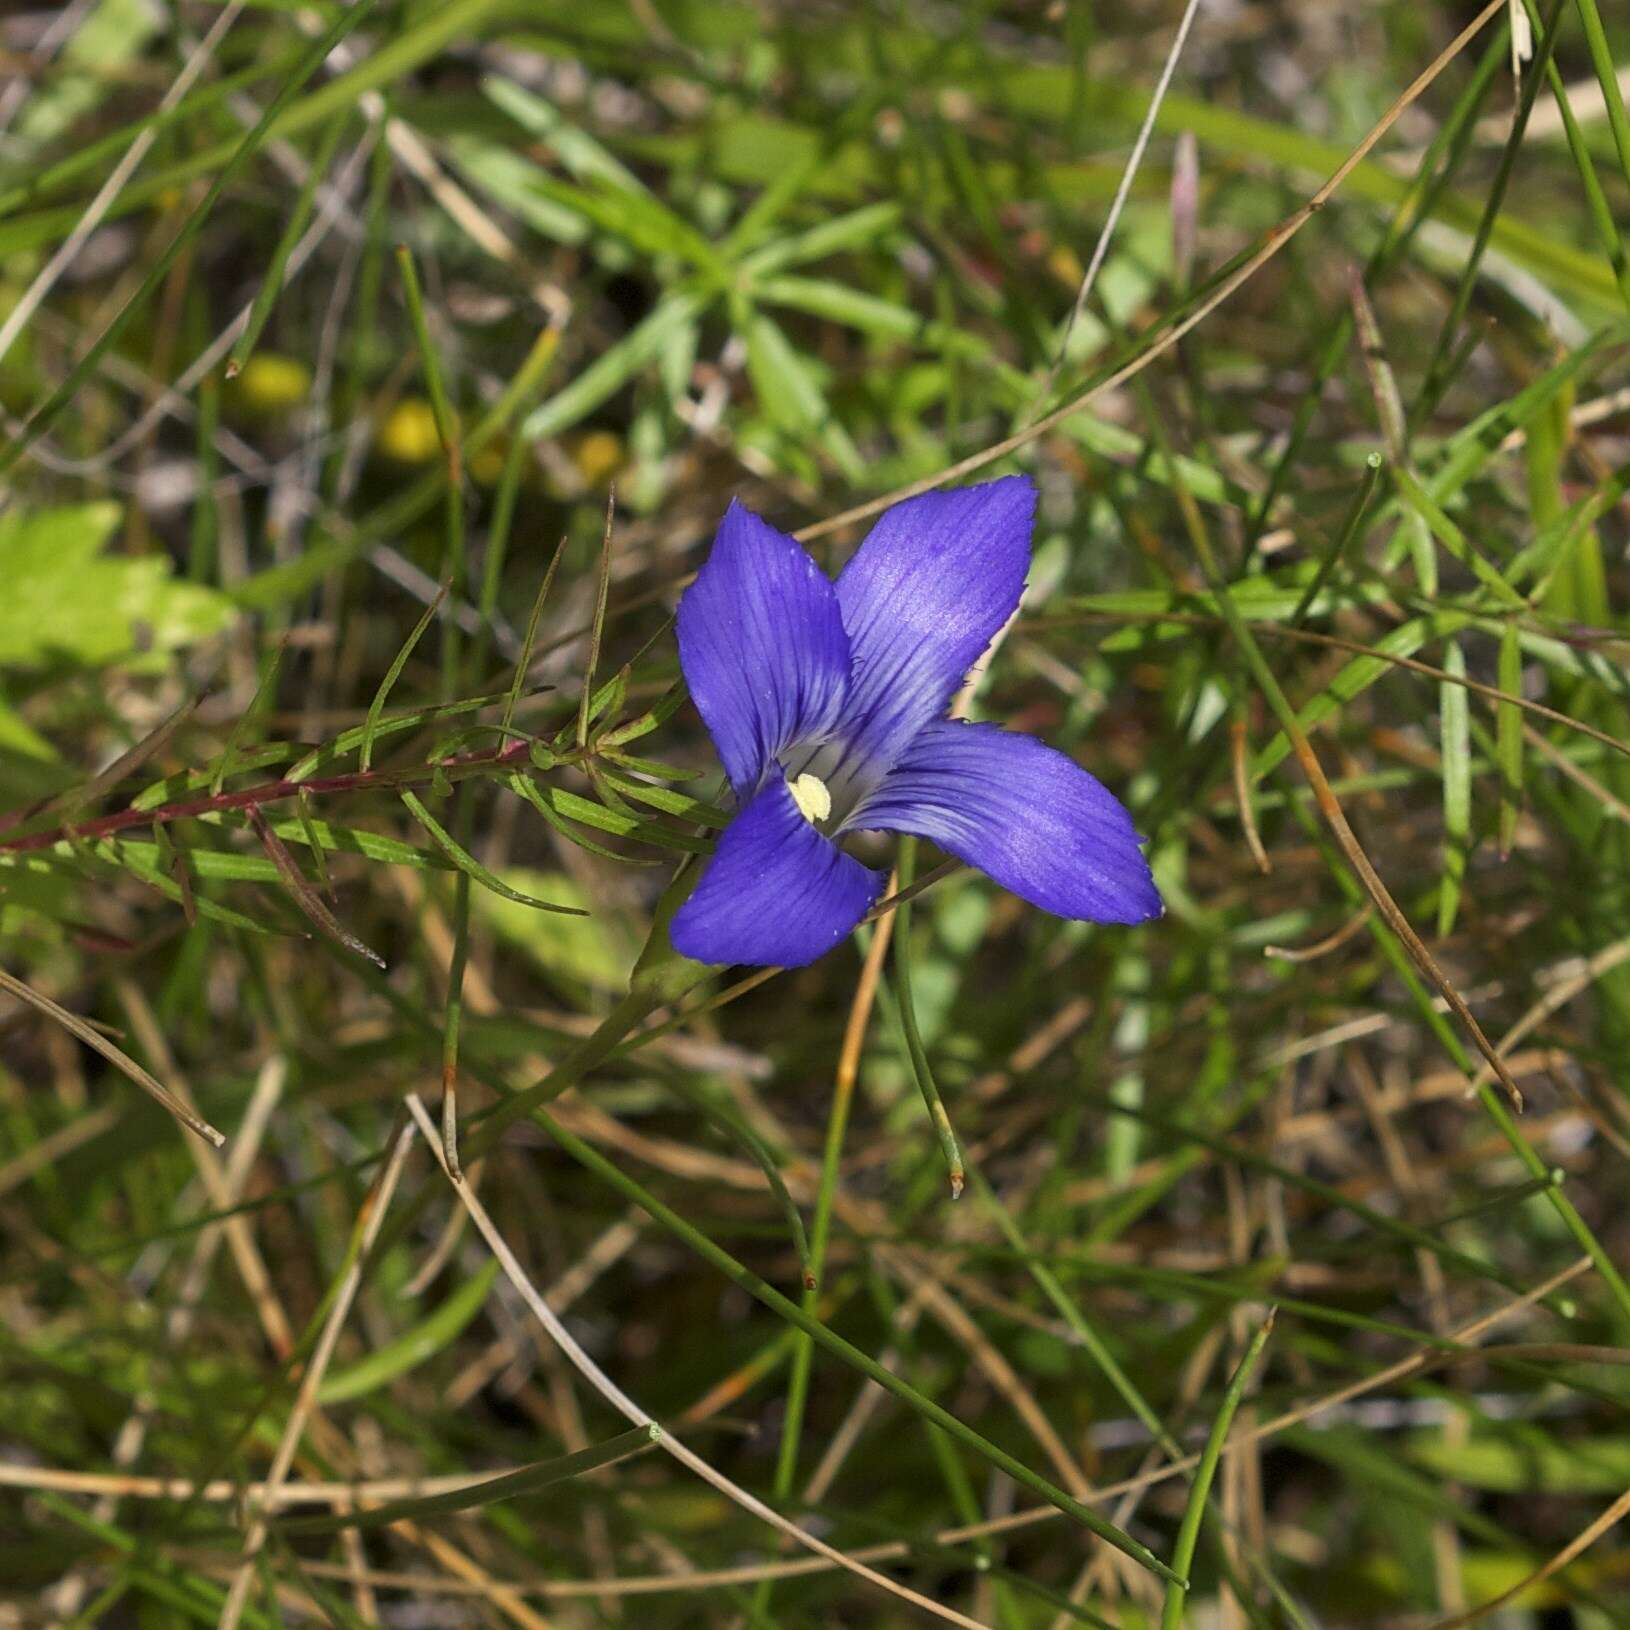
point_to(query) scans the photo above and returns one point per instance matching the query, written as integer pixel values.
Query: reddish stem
(268, 792)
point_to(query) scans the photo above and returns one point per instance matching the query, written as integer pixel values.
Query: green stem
(920, 1067)
(1188, 1532)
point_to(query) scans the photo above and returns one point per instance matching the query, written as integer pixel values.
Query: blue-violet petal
(776, 892)
(1027, 815)
(762, 645)
(923, 596)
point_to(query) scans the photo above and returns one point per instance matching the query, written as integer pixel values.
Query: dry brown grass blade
(1392, 914)
(1582, 1541)
(1239, 764)
(310, 902)
(639, 1585)
(116, 1056)
(1319, 948)
(1275, 240)
(1335, 817)
(1581, 777)
(892, 1550)
(1559, 995)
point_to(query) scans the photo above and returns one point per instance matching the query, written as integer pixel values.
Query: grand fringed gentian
(827, 703)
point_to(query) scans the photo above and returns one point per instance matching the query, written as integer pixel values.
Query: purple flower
(827, 704)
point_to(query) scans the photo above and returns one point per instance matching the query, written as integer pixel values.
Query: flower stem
(1188, 1532)
(920, 1066)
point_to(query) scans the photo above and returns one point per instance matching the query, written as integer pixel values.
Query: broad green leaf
(65, 600)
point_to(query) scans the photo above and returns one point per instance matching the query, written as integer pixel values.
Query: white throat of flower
(813, 800)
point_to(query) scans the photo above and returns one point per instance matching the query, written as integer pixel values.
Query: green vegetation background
(326, 332)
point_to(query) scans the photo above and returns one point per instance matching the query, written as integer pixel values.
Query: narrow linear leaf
(667, 800)
(185, 781)
(1421, 502)
(159, 268)
(265, 689)
(147, 861)
(939, 1119)
(1508, 736)
(1188, 1531)
(350, 840)
(611, 371)
(466, 862)
(370, 729)
(127, 763)
(441, 408)
(525, 787)
(507, 1486)
(1456, 742)
(347, 741)
(271, 285)
(739, 1274)
(760, 1153)
(523, 663)
(1353, 679)
(407, 1352)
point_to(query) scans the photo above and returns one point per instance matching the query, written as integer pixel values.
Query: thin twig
(1118, 203)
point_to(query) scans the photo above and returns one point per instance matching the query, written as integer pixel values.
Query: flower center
(828, 780)
(813, 800)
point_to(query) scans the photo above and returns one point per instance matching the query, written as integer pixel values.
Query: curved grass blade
(116, 1056)
(407, 1352)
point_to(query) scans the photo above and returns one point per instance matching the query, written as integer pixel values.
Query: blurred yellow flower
(409, 432)
(270, 383)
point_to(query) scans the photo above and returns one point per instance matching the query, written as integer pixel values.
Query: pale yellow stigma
(810, 795)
